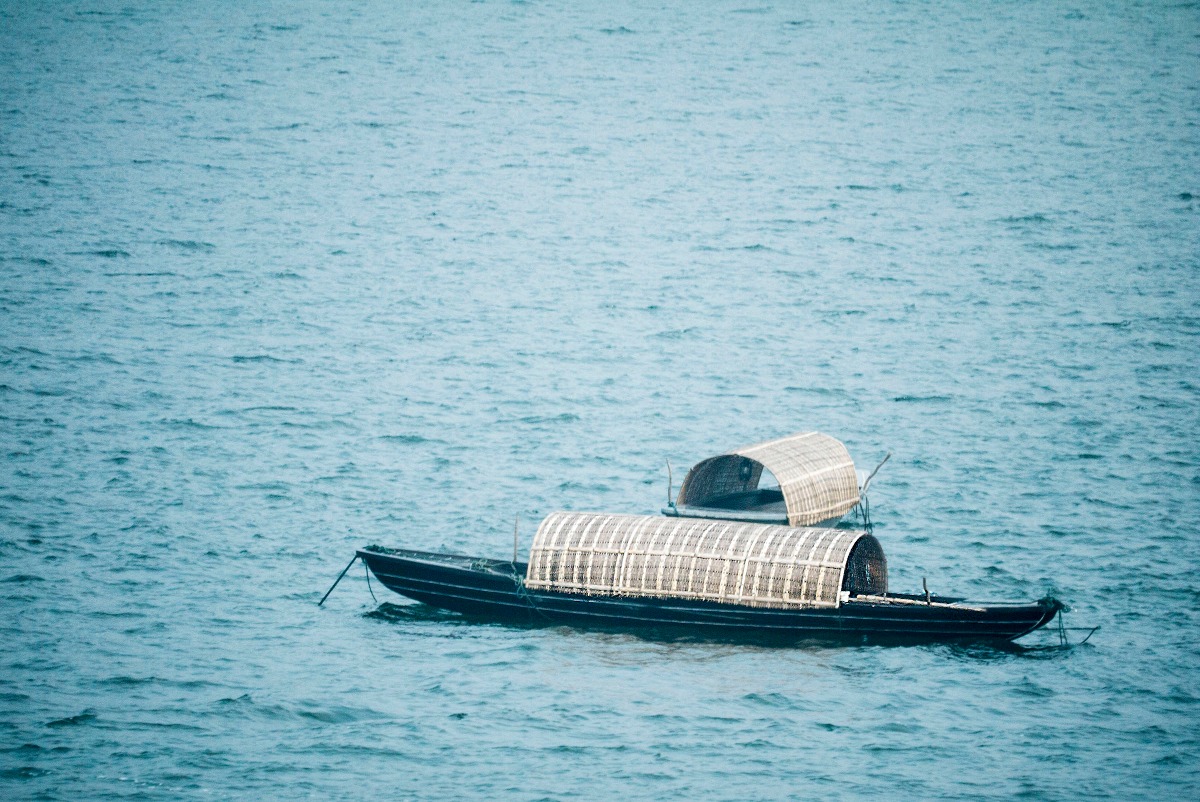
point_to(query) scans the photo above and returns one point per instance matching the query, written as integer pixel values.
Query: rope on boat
(339, 579)
(1089, 630)
(863, 509)
(523, 593)
(367, 571)
(1063, 641)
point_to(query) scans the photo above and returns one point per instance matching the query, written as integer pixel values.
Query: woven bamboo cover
(814, 471)
(691, 558)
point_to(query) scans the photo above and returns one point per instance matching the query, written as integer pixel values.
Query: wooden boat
(804, 479)
(710, 578)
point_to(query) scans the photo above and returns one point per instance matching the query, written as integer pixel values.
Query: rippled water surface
(279, 280)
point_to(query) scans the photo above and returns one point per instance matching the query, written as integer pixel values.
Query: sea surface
(279, 280)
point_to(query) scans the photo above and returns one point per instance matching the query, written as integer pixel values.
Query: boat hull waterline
(495, 590)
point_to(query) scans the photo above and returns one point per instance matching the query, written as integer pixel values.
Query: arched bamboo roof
(780, 567)
(815, 474)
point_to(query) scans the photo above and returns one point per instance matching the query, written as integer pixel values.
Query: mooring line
(367, 571)
(1090, 632)
(1064, 641)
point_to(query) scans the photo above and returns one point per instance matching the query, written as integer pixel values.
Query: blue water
(279, 281)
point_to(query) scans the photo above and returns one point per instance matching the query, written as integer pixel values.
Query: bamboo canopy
(779, 567)
(815, 474)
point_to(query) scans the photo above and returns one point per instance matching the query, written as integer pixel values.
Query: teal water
(281, 281)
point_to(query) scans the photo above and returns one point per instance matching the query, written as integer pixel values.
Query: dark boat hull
(494, 590)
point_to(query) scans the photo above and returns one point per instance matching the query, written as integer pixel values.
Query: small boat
(710, 578)
(804, 479)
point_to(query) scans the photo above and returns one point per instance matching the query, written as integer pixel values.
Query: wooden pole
(670, 486)
(335, 582)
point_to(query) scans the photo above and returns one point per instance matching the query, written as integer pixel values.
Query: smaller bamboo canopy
(779, 567)
(815, 473)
